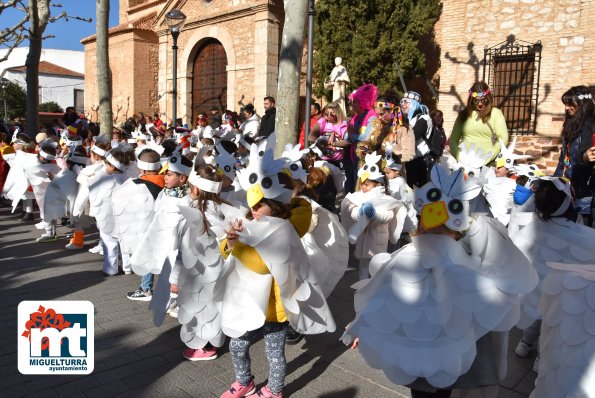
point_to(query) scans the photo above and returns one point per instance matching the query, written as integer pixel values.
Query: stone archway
(209, 78)
(194, 43)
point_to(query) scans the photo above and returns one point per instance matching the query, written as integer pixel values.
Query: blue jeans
(146, 283)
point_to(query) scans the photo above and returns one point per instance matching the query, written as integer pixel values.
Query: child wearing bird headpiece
(371, 216)
(427, 315)
(268, 285)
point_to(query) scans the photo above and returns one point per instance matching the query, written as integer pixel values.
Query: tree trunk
(290, 63)
(39, 16)
(104, 73)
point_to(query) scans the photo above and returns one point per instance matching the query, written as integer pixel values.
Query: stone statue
(338, 80)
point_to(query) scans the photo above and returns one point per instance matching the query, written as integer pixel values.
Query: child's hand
(360, 211)
(237, 225)
(173, 288)
(367, 209)
(370, 211)
(232, 234)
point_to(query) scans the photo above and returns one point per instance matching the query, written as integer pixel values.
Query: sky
(68, 34)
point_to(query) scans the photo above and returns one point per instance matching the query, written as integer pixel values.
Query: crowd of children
(235, 242)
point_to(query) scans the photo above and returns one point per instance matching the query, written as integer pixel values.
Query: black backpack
(436, 142)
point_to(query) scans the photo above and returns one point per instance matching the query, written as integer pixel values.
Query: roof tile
(49, 68)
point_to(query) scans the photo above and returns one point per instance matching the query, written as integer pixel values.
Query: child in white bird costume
(370, 216)
(425, 316)
(551, 234)
(268, 285)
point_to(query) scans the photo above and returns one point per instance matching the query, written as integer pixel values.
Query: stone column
(164, 77)
(266, 57)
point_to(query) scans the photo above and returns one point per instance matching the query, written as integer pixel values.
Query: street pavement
(133, 358)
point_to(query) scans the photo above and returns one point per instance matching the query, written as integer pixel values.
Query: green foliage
(50, 107)
(16, 101)
(371, 36)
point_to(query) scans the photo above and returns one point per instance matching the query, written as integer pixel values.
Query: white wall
(59, 89)
(69, 59)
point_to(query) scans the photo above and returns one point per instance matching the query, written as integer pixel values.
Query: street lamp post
(4, 85)
(175, 20)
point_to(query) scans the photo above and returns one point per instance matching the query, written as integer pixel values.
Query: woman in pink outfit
(331, 128)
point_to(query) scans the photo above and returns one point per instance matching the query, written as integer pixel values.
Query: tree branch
(8, 33)
(9, 4)
(13, 36)
(14, 45)
(64, 15)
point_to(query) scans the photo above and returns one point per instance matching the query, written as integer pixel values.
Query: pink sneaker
(238, 391)
(201, 354)
(266, 393)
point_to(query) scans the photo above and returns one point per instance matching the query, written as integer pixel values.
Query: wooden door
(209, 79)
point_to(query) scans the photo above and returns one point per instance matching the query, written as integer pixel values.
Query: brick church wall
(141, 60)
(566, 32)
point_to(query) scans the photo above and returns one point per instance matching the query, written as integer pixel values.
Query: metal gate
(512, 68)
(209, 79)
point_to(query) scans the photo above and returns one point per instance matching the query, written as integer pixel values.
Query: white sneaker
(71, 246)
(523, 349)
(174, 312)
(97, 249)
(172, 305)
(40, 225)
(47, 237)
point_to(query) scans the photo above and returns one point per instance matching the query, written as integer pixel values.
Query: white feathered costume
(567, 343)
(371, 235)
(426, 306)
(326, 241)
(25, 171)
(268, 276)
(557, 239)
(220, 298)
(180, 231)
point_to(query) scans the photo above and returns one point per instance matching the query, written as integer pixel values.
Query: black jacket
(267, 122)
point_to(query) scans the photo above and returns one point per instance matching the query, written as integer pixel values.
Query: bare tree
(36, 16)
(39, 17)
(13, 36)
(290, 62)
(104, 73)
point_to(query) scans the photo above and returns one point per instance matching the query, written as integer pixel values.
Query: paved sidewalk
(136, 359)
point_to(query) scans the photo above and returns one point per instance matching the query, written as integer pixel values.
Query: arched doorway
(209, 78)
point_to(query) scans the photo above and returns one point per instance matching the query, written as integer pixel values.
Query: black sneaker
(293, 337)
(140, 295)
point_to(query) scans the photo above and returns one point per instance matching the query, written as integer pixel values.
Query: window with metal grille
(512, 70)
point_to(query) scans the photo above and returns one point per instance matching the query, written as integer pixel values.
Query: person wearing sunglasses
(418, 168)
(389, 130)
(480, 123)
(331, 128)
